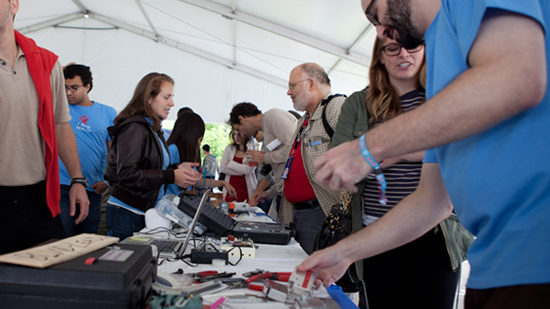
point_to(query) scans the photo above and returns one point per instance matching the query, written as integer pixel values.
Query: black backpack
(325, 102)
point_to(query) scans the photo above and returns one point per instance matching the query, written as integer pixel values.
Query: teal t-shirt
(498, 180)
(89, 124)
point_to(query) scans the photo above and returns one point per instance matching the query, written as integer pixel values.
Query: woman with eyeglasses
(138, 167)
(423, 273)
(184, 145)
(240, 175)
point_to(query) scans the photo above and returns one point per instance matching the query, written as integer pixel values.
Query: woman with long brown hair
(423, 273)
(138, 166)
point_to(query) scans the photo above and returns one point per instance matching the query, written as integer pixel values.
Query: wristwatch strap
(83, 181)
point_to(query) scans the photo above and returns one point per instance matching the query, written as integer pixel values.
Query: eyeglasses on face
(292, 85)
(372, 17)
(394, 49)
(73, 88)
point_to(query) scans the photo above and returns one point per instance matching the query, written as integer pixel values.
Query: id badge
(286, 170)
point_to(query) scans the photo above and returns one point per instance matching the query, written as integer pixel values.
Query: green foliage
(217, 136)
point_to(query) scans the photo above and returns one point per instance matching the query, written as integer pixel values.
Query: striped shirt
(402, 178)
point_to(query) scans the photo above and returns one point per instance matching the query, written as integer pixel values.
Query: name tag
(315, 143)
(286, 170)
(273, 145)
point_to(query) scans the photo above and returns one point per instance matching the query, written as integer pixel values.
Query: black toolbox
(83, 283)
(222, 224)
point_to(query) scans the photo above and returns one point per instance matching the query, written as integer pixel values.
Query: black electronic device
(112, 277)
(221, 224)
(263, 232)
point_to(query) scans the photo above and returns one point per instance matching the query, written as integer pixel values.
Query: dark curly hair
(83, 71)
(244, 109)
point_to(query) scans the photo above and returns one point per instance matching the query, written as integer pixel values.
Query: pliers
(214, 276)
(278, 276)
(200, 274)
(204, 276)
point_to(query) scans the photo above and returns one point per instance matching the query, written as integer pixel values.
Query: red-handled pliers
(279, 276)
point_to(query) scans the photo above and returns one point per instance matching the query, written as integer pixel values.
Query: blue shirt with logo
(89, 124)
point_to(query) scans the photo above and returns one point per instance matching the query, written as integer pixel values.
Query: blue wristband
(108, 185)
(377, 170)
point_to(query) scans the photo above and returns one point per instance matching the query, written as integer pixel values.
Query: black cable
(240, 258)
(158, 230)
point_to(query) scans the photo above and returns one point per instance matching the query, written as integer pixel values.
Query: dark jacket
(352, 123)
(135, 165)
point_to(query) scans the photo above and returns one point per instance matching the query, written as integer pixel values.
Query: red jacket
(40, 63)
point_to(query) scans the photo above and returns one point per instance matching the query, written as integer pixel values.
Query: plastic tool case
(103, 283)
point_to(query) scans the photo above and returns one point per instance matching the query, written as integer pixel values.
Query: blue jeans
(123, 223)
(265, 205)
(90, 224)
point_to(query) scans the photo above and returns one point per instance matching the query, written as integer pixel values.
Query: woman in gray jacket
(423, 273)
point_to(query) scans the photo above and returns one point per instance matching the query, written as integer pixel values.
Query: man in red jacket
(34, 121)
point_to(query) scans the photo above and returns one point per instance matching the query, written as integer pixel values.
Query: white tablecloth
(272, 258)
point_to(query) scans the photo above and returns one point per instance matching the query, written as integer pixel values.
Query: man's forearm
(262, 185)
(494, 89)
(273, 191)
(67, 150)
(410, 219)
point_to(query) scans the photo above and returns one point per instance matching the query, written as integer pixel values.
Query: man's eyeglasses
(292, 85)
(394, 49)
(73, 88)
(372, 17)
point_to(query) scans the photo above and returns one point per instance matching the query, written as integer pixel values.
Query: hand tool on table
(278, 276)
(214, 276)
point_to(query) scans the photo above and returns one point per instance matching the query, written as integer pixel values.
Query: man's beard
(399, 15)
(301, 101)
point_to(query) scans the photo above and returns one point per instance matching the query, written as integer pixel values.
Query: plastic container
(252, 145)
(224, 207)
(168, 208)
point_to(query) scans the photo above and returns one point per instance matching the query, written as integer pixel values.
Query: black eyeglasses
(394, 49)
(372, 17)
(73, 88)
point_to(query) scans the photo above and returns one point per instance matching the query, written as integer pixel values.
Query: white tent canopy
(219, 52)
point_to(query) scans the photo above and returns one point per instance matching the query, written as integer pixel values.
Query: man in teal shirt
(487, 117)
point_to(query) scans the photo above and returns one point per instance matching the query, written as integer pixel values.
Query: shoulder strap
(328, 129)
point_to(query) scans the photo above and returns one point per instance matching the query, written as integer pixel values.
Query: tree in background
(217, 136)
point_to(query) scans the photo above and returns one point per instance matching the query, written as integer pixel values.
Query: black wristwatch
(83, 181)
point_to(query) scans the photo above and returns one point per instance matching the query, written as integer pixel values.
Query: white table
(273, 258)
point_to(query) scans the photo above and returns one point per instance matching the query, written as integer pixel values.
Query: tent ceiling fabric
(219, 52)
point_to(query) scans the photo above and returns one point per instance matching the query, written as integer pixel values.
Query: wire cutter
(214, 276)
(278, 276)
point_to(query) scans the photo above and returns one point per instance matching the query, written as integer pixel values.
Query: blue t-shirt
(498, 180)
(90, 125)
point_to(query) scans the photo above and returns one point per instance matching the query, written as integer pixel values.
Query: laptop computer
(171, 248)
